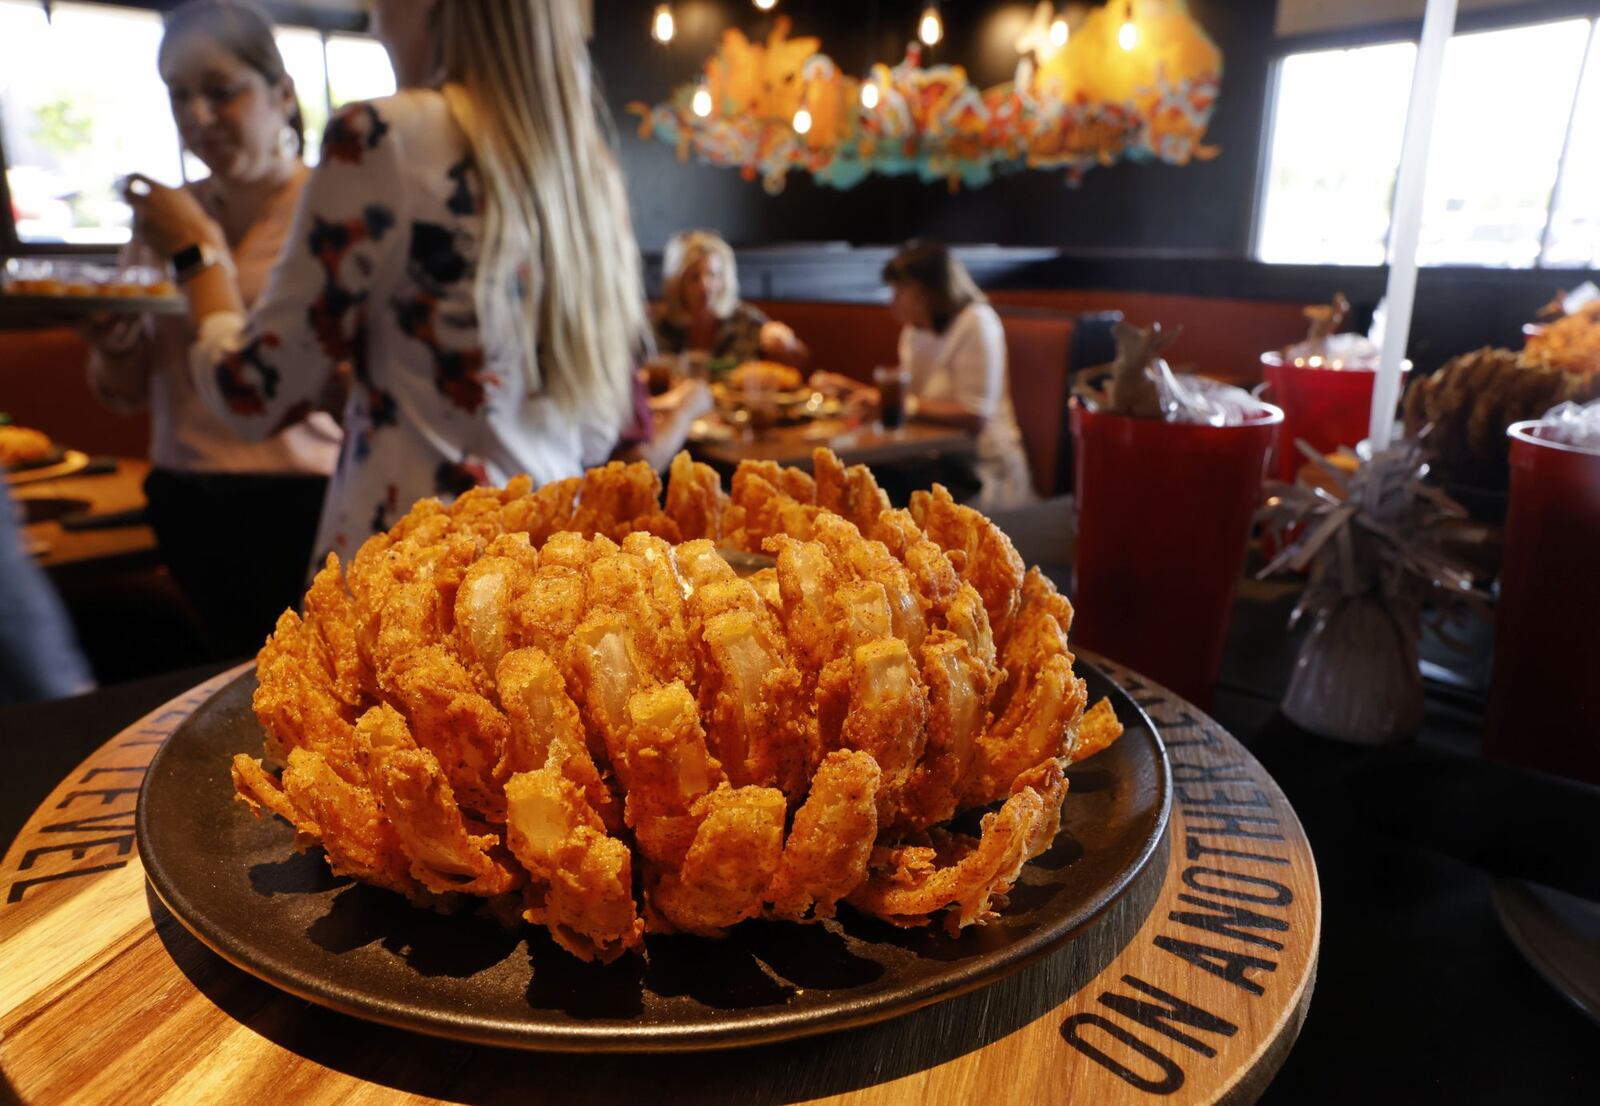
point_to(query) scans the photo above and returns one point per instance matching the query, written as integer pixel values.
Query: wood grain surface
(1192, 988)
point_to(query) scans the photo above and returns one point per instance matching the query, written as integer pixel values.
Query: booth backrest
(848, 338)
(854, 338)
(1039, 359)
(1222, 338)
(43, 384)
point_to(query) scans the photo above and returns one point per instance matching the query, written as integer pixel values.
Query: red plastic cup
(1327, 407)
(1544, 706)
(1164, 514)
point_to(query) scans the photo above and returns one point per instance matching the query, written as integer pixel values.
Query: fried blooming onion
(566, 702)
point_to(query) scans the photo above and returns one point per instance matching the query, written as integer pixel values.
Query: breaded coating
(767, 510)
(871, 560)
(751, 697)
(874, 701)
(735, 853)
(669, 767)
(982, 554)
(826, 853)
(544, 729)
(294, 698)
(259, 790)
(356, 836)
(1040, 723)
(695, 499)
(906, 886)
(453, 721)
(582, 887)
(1098, 729)
(851, 493)
(331, 617)
(959, 689)
(417, 801)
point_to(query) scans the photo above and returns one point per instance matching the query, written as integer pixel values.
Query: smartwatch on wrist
(191, 261)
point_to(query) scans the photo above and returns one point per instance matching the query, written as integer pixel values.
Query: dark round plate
(238, 885)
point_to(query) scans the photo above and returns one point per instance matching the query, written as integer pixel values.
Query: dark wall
(1200, 208)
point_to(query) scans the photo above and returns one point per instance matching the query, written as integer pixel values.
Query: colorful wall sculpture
(1093, 101)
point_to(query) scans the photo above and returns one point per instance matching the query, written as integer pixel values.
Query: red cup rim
(1524, 432)
(1270, 415)
(1274, 359)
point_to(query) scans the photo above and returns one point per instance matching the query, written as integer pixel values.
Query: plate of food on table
(28, 454)
(607, 766)
(23, 447)
(32, 288)
(770, 393)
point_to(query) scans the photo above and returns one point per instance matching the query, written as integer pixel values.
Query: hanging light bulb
(1059, 32)
(931, 28)
(701, 102)
(1128, 33)
(766, 5)
(662, 26)
(869, 94)
(802, 121)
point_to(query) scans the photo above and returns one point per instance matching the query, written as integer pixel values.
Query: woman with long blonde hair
(465, 246)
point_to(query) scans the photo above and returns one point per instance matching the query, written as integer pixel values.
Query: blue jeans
(39, 655)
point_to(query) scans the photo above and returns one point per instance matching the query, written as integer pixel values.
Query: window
(1330, 180)
(358, 69)
(1506, 185)
(82, 105)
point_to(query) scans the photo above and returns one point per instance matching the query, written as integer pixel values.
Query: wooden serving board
(1191, 989)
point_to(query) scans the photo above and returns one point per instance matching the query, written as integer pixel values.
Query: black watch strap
(190, 260)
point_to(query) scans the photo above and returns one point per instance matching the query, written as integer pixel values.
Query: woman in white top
(235, 108)
(465, 245)
(953, 348)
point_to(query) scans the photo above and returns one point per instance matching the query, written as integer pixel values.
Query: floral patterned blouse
(378, 271)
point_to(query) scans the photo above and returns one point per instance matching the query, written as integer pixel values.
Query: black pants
(238, 547)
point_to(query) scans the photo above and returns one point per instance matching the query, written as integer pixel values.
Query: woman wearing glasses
(235, 108)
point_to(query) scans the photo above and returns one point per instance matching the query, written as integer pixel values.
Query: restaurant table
(864, 445)
(104, 996)
(110, 486)
(1419, 997)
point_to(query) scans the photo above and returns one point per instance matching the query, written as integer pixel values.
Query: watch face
(187, 258)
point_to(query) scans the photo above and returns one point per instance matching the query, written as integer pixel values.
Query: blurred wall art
(1124, 80)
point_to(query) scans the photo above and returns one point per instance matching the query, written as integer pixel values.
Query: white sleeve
(266, 372)
(976, 362)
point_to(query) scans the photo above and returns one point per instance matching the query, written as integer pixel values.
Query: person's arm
(267, 372)
(120, 348)
(976, 365)
(779, 343)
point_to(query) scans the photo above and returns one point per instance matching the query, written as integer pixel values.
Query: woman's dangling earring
(288, 143)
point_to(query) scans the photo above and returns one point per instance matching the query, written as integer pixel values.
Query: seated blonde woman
(700, 310)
